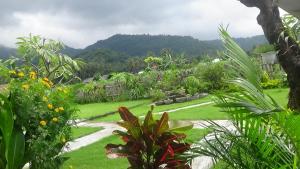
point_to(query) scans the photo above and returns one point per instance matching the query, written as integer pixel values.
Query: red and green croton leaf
(153, 144)
(127, 116)
(162, 124)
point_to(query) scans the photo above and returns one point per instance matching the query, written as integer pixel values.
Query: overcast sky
(79, 23)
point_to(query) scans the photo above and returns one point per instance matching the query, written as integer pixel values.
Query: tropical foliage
(263, 134)
(43, 56)
(292, 26)
(35, 112)
(152, 144)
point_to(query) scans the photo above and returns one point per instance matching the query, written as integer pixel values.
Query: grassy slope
(93, 156)
(83, 131)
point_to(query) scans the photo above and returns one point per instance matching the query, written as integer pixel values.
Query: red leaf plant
(153, 144)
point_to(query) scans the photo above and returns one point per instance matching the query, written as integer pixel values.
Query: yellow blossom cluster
(43, 123)
(54, 119)
(47, 82)
(32, 75)
(25, 86)
(59, 109)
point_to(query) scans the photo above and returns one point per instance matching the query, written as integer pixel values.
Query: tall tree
(288, 49)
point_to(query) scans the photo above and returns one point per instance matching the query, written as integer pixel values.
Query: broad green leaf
(162, 125)
(149, 120)
(6, 119)
(16, 150)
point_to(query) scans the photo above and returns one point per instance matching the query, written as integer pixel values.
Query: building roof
(291, 6)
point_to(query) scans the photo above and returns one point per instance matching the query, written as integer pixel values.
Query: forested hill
(5, 52)
(140, 45)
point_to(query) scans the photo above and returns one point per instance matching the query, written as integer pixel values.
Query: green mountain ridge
(140, 45)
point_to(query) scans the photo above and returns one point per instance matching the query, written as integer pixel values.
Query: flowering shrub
(153, 144)
(43, 112)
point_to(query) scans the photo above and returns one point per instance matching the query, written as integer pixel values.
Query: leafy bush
(192, 85)
(91, 93)
(212, 75)
(151, 145)
(42, 113)
(157, 94)
(268, 83)
(271, 84)
(40, 107)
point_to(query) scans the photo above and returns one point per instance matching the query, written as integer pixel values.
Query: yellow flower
(45, 79)
(47, 82)
(25, 86)
(50, 106)
(43, 123)
(21, 74)
(45, 99)
(56, 110)
(13, 72)
(65, 91)
(61, 109)
(32, 75)
(55, 119)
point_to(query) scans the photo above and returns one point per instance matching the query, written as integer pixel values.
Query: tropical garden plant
(151, 144)
(36, 112)
(263, 134)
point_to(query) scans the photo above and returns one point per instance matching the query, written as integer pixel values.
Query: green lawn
(93, 156)
(94, 109)
(207, 112)
(78, 132)
(141, 107)
(280, 95)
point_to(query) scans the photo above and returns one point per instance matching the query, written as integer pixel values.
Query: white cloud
(81, 23)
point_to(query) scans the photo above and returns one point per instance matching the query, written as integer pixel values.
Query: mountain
(71, 51)
(5, 52)
(140, 45)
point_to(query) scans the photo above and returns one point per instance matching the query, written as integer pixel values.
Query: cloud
(79, 23)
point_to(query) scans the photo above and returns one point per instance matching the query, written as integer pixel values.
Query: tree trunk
(288, 50)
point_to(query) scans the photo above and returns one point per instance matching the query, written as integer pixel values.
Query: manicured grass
(142, 106)
(207, 112)
(143, 109)
(280, 95)
(94, 109)
(78, 132)
(93, 156)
